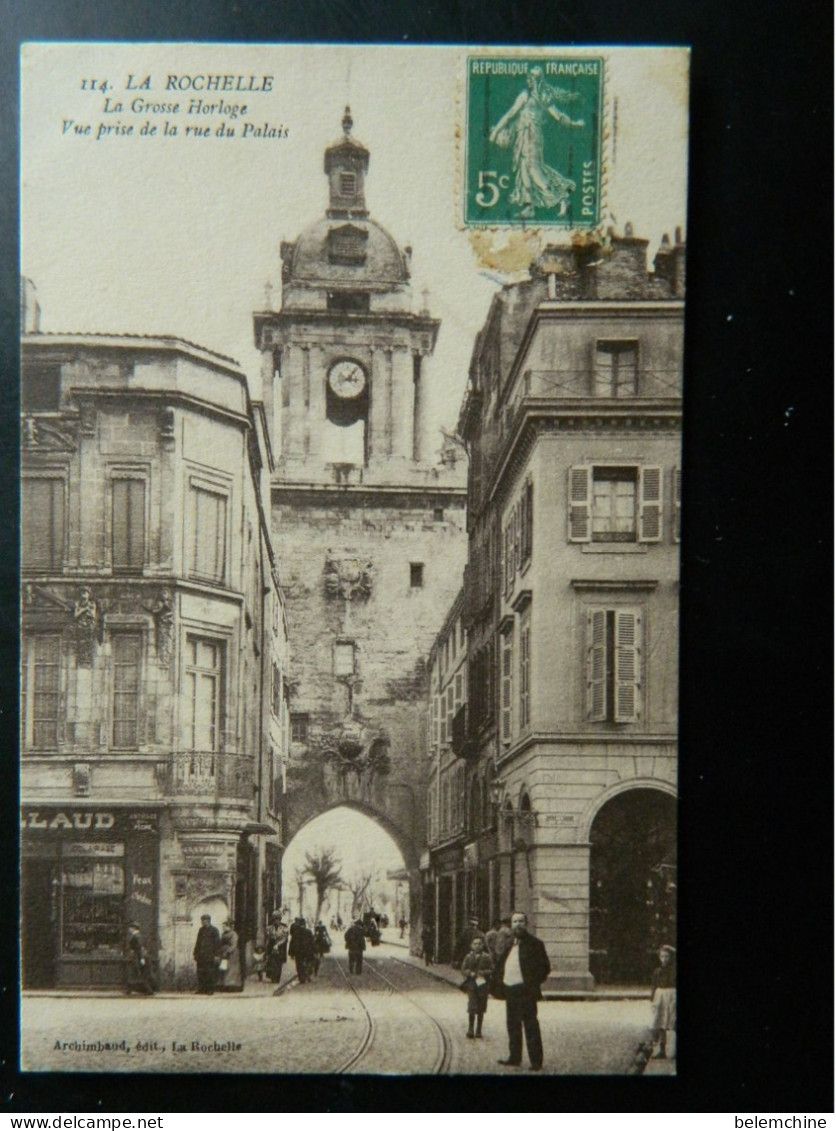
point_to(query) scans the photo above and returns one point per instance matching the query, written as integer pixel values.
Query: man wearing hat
(462, 947)
(205, 949)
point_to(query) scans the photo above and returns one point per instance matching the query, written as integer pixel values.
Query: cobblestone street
(394, 1018)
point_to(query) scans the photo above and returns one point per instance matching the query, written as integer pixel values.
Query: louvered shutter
(596, 665)
(677, 503)
(650, 504)
(517, 537)
(628, 628)
(580, 483)
(507, 684)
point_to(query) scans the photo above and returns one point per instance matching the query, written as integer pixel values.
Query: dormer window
(347, 245)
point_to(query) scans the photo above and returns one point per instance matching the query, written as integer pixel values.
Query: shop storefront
(86, 874)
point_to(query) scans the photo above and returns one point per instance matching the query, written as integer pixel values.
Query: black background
(756, 925)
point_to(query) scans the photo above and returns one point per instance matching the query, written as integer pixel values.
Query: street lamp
(497, 787)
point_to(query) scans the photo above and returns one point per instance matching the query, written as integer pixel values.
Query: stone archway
(632, 891)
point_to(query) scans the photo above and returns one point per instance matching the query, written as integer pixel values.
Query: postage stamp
(534, 140)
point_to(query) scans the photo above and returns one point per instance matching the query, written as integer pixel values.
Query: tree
(359, 885)
(323, 867)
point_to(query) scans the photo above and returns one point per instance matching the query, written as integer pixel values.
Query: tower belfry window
(348, 184)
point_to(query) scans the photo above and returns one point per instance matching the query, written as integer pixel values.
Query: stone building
(568, 736)
(154, 720)
(368, 518)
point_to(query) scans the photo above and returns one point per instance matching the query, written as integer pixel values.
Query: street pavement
(396, 1017)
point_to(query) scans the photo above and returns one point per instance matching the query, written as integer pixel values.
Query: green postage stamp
(534, 140)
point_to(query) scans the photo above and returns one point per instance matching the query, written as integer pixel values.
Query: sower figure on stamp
(205, 949)
(522, 970)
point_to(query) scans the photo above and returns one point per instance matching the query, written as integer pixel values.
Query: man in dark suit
(205, 949)
(355, 944)
(521, 971)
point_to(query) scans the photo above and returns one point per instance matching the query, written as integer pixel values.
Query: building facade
(154, 718)
(368, 518)
(572, 424)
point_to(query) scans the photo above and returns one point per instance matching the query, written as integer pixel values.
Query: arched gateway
(368, 521)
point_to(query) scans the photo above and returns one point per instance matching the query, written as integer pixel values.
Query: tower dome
(345, 258)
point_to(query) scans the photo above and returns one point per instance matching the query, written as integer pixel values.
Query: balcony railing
(210, 775)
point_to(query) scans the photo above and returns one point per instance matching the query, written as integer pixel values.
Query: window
(416, 575)
(525, 669)
(348, 184)
(349, 302)
(128, 524)
(527, 512)
(276, 692)
(677, 503)
(40, 389)
(438, 514)
(92, 902)
(616, 369)
(507, 683)
(209, 533)
(613, 665)
(451, 710)
(203, 693)
(43, 523)
(127, 655)
(344, 657)
(615, 504)
(41, 691)
(299, 727)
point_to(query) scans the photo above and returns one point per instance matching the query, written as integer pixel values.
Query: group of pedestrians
(217, 957)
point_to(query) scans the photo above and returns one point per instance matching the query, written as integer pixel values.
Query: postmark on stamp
(534, 140)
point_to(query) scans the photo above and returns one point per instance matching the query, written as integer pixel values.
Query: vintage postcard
(351, 412)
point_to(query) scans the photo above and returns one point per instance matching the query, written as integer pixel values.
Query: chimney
(30, 308)
(669, 263)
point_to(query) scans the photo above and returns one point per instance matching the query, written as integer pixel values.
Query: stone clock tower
(344, 358)
(368, 515)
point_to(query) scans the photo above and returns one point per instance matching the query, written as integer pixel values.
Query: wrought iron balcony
(210, 775)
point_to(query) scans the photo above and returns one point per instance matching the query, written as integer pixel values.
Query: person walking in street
(228, 961)
(462, 947)
(276, 949)
(137, 968)
(322, 945)
(477, 968)
(402, 925)
(301, 949)
(428, 943)
(663, 1004)
(522, 970)
(355, 944)
(205, 949)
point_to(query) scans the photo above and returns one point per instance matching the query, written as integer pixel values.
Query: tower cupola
(346, 165)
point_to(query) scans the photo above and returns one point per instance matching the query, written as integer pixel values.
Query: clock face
(347, 379)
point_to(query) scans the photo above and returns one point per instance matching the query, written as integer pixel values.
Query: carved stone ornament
(47, 435)
(86, 625)
(349, 578)
(163, 613)
(88, 419)
(190, 889)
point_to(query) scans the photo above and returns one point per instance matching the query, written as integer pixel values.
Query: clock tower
(368, 516)
(344, 358)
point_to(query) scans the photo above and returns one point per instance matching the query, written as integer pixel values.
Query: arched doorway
(369, 869)
(632, 890)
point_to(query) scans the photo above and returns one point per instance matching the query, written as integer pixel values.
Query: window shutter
(509, 557)
(596, 665)
(517, 537)
(507, 684)
(628, 627)
(677, 503)
(528, 523)
(650, 504)
(580, 527)
(602, 374)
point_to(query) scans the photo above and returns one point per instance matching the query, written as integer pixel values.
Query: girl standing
(477, 968)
